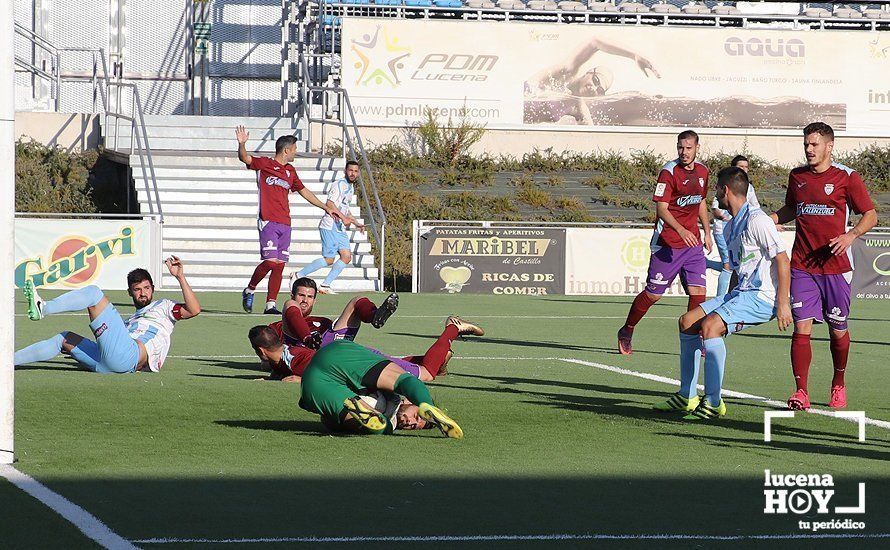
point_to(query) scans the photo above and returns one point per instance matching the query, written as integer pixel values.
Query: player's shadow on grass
(819, 339)
(591, 301)
(236, 365)
(302, 427)
(533, 344)
(510, 380)
(257, 376)
(57, 366)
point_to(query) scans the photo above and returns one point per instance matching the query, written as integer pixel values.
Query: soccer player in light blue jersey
(758, 255)
(334, 239)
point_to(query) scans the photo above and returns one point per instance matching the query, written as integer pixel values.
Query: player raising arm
(276, 179)
(819, 198)
(141, 343)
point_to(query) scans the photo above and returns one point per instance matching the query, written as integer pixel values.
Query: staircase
(209, 200)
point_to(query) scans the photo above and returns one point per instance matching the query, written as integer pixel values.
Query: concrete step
(237, 283)
(224, 221)
(243, 234)
(246, 209)
(220, 133)
(197, 143)
(298, 247)
(227, 159)
(194, 185)
(234, 173)
(236, 196)
(240, 258)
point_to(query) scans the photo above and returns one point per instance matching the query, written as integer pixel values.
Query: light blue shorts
(113, 351)
(332, 242)
(740, 310)
(722, 247)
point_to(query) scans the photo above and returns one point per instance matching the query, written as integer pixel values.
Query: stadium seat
(847, 13)
(481, 4)
(388, 2)
(572, 5)
(419, 3)
(633, 7)
(696, 9)
(725, 10)
(663, 7)
(448, 3)
(542, 5)
(330, 20)
(817, 12)
(602, 7)
(357, 2)
(873, 13)
(511, 5)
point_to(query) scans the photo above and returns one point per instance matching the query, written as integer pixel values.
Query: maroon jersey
(683, 190)
(822, 204)
(294, 360)
(274, 181)
(291, 338)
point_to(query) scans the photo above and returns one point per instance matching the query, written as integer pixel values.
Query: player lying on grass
(140, 343)
(298, 327)
(757, 254)
(341, 372)
(288, 361)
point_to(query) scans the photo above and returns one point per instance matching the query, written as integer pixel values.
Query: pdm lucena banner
(529, 75)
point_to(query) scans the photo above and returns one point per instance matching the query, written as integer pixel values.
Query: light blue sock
(75, 300)
(723, 282)
(313, 267)
(690, 357)
(715, 361)
(39, 351)
(334, 273)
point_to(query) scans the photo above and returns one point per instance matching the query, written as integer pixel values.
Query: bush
(445, 144)
(48, 179)
(532, 196)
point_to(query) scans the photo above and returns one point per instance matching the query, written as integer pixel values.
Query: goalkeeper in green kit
(355, 390)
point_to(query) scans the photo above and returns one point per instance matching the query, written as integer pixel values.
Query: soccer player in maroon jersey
(276, 179)
(680, 205)
(819, 198)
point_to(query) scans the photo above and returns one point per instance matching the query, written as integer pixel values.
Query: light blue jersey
(754, 242)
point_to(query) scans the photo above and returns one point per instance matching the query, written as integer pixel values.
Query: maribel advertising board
(490, 260)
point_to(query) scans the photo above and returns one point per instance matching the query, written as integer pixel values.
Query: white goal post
(7, 234)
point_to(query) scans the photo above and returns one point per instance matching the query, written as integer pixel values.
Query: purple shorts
(666, 263)
(822, 298)
(274, 240)
(330, 335)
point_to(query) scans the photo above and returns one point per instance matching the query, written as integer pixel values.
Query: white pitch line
(443, 317)
(476, 538)
(771, 402)
(87, 523)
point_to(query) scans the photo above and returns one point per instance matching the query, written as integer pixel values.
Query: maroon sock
(365, 309)
(295, 323)
(260, 272)
(435, 356)
(695, 300)
(840, 349)
(641, 305)
(801, 355)
(275, 281)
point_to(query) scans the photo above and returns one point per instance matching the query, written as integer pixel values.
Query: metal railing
(333, 102)
(109, 92)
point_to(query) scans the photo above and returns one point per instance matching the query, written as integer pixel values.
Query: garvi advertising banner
(505, 261)
(871, 259)
(527, 75)
(68, 254)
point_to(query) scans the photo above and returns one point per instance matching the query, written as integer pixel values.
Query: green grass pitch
(204, 451)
